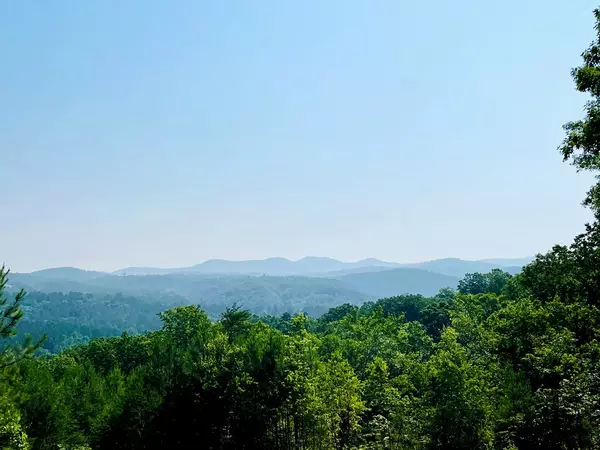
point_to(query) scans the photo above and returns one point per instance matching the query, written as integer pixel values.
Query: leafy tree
(493, 282)
(569, 273)
(10, 315)
(235, 322)
(581, 143)
(11, 352)
(338, 313)
(446, 294)
(461, 403)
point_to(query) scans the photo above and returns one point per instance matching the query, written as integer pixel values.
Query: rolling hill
(270, 286)
(509, 262)
(269, 266)
(68, 273)
(393, 282)
(459, 267)
(315, 266)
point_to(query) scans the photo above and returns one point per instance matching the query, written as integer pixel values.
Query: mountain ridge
(312, 265)
(307, 266)
(270, 286)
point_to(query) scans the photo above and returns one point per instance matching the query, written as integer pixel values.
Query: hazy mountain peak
(509, 262)
(57, 269)
(374, 261)
(71, 273)
(313, 265)
(317, 258)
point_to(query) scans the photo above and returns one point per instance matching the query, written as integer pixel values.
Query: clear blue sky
(165, 132)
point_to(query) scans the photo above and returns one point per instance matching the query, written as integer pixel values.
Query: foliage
(581, 143)
(493, 282)
(481, 369)
(452, 371)
(259, 294)
(12, 435)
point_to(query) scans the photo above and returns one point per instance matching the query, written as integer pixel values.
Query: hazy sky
(169, 132)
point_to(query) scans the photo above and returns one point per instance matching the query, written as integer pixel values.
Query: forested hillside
(388, 283)
(205, 286)
(488, 367)
(259, 293)
(72, 318)
(67, 318)
(75, 317)
(71, 306)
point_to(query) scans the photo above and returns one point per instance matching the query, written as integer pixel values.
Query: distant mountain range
(273, 285)
(388, 283)
(458, 267)
(260, 294)
(269, 266)
(314, 265)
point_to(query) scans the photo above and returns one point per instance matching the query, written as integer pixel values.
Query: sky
(165, 133)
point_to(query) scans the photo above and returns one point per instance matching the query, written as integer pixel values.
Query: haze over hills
(458, 268)
(273, 285)
(312, 265)
(508, 262)
(388, 283)
(100, 303)
(68, 273)
(269, 266)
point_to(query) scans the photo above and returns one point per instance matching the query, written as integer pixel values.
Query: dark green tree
(581, 145)
(493, 282)
(11, 352)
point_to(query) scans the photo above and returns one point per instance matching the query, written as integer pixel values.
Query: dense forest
(111, 305)
(67, 319)
(504, 362)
